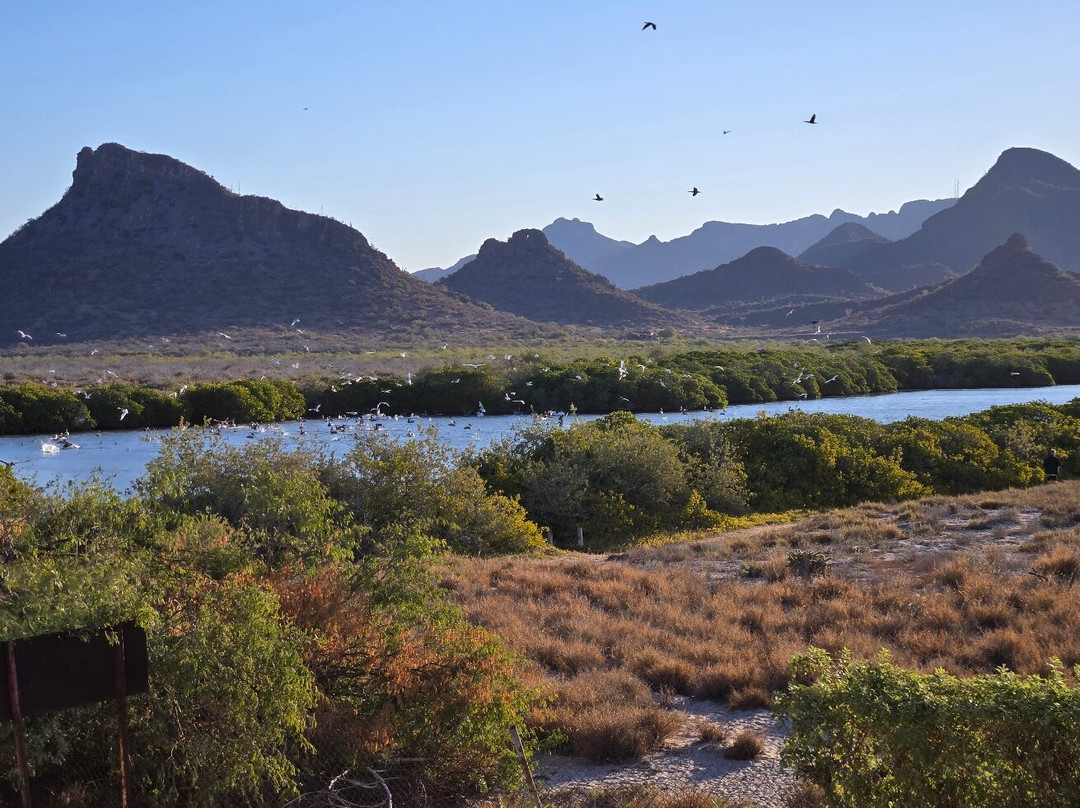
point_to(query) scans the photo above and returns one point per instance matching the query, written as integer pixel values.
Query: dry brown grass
(685, 620)
(610, 716)
(747, 745)
(710, 731)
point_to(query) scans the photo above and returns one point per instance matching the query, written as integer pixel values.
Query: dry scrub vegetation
(966, 584)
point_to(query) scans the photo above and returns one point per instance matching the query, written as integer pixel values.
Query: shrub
(869, 733)
(747, 745)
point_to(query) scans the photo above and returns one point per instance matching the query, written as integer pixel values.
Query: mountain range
(142, 245)
(653, 261)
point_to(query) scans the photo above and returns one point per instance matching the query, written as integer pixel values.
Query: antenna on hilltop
(956, 189)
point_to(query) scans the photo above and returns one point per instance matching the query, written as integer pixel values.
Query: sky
(432, 126)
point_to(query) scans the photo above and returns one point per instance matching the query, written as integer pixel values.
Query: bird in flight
(727, 131)
(24, 335)
(123, 412)
(649, 25)
(813, 119)
(693, 191)
(596, 198)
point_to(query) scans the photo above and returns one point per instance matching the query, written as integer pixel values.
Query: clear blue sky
(431, 126)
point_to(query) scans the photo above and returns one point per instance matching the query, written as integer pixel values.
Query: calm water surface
(121, 457)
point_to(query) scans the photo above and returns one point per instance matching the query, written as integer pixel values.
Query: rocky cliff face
(144, 244)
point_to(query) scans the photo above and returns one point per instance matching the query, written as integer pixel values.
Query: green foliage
(615, 477)
(419, 483)
(796, 460)
(35, 408)
(230, 698)
(239, 676)
(244, 401)
(869, 733)
(273, 495)
(144, 407)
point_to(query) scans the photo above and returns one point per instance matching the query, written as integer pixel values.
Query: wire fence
(692, 770)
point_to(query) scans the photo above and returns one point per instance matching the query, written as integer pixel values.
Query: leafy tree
(615, 477)
(384, 484)
(275, 496)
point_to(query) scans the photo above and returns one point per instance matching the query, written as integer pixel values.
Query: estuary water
(120, 457)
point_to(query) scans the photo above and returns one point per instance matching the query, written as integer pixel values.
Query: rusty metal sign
(58, 671)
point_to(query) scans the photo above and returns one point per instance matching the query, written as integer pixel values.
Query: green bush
(869, 733)
(36, 409)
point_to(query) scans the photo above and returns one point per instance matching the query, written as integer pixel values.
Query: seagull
(693, 191)
(813, 119)
(294, 322)
(61, 335)
(24, 335)
(596, 198)
(223, 334)
(649, 25)
(727, 131)
(868, 342)
(123, 412)
(1014, 372)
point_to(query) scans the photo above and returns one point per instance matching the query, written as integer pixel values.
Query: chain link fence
(719, 757)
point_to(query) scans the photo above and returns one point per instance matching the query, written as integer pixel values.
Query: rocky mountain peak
(115, 173)
(521, 243)
(1027, 167)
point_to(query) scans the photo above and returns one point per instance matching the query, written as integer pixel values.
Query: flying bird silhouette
(649, 25)
(24, 335)
(727, 131)
(813, 119)
(596, 198)
(694, 191)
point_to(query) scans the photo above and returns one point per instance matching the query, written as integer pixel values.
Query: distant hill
(142, 244)
(1011, 292)
(577, 239)
(1026, 190)
(765, 274)
(843, 245)
(582, 244)
(714, 243)
(526, 275)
